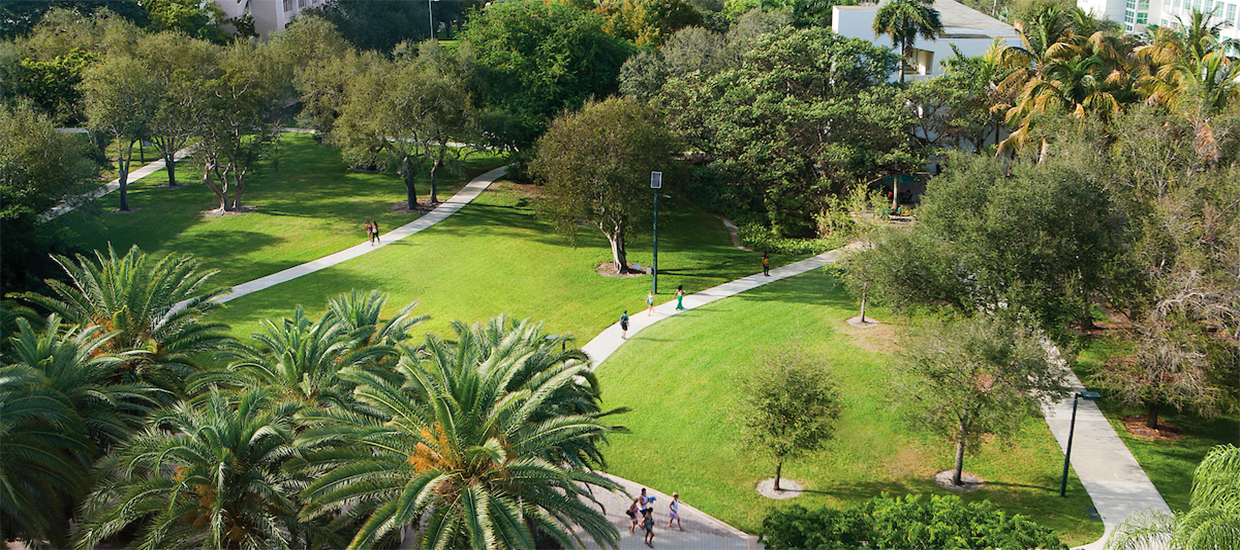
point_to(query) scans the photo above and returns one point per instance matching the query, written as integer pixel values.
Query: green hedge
(946, 523)
(759, 238)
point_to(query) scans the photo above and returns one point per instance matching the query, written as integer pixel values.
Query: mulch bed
(1166, 431)
(419, 209)
(608, 269)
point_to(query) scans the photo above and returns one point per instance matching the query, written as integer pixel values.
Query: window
(1231, 13)
(1142, 18)
(301, 3)
(288, 6)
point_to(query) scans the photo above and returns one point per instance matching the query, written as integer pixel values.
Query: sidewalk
(72, 203)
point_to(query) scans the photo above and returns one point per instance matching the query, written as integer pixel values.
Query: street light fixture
(430, 15)
(1067, 454)
(656, 183)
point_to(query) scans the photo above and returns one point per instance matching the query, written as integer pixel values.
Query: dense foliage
(885, 522)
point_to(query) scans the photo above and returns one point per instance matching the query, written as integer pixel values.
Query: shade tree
(971, 378)
(122, 97)
(596, 165)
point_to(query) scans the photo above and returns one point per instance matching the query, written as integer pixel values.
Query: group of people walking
(680, 298)
(372, 232)
(642, 511)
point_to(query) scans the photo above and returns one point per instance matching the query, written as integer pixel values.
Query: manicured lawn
(309, 205)
(496, 256)
(1169, 464)
(679, 377)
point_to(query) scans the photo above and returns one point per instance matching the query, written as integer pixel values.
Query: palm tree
(1211, 520)
(43, 458)
(360, 316)
(206, 474)
(299, 359)
(904, 21)
(155, 306)
(470, 437)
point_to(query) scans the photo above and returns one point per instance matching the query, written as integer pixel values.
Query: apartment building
(269, 15)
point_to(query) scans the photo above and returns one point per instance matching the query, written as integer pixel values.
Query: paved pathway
(445, 209)
(70, 204)
(1109, 472)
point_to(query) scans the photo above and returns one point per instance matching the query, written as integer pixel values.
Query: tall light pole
(430, 15)
(1067, 454)
(656, 183)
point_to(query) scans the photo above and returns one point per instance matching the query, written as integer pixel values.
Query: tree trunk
(220, 193)
(618, 255)
(864, 291)
(1151, 414)
(406, 172)
(239, 185)
(170, 162)
(779, 467)
(434, 189)
(895, 193)
(959, 462)
(123, 158)
(903, 60)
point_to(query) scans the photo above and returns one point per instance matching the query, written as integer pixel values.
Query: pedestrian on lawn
(648, 525)
(680, 298)
(624, 330)
(766, 264)
(674, 514)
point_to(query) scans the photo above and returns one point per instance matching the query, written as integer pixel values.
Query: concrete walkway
(72, 203)
(445, 209)
(1109, 472)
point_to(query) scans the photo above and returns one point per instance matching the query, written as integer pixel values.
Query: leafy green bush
(760, 238)
(897, 523)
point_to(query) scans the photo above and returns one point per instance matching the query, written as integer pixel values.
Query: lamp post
(656, 183)
(1067, 454)
(430, 16)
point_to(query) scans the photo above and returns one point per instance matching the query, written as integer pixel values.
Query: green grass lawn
(496, 256)
(679, 377)
(1169, 464)
(309, 205)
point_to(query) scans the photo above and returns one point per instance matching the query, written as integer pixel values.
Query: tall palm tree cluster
(126, 418)
(1070, 62)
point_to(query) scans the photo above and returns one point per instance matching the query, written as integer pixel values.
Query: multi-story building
(969, 30)
(269, 15)
(1135, 15)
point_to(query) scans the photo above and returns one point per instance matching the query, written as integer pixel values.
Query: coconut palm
(43, 458)
(153, 305)
(454, 443)
(1212, 520)
(206, 474)
(904, 21)
(74, 365)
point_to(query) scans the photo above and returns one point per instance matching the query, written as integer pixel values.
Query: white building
(971, 31)
(1135, 15)
(269, 15)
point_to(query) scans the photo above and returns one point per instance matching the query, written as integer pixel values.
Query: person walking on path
(624, 330)
(370, 233)
(634, 514)
(674, 514)
(374, 232)
(648, 525)
(650, 303)
(766, 264)
(680, 298)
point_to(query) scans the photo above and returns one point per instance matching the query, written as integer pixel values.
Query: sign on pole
(656, 180)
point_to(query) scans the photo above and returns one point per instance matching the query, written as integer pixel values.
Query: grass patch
(309, 205)
(1169, 464)
(496, 256)
(683, 435)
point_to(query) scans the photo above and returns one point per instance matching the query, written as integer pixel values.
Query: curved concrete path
(445, 209)
(72, 203)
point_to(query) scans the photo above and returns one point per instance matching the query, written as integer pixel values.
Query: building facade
(269, 15)
(1136, 15)
(971, 31)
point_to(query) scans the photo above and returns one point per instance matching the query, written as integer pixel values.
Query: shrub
(762, 239)
(946, 523)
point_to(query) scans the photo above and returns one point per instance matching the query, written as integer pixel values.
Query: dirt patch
(524, 189)
(968, 482)
(1166, 431)
(789, 488)
(608, 269)
(880, 338)
(419, 208)
(119, 211)
(216, 212)
(857, 322)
